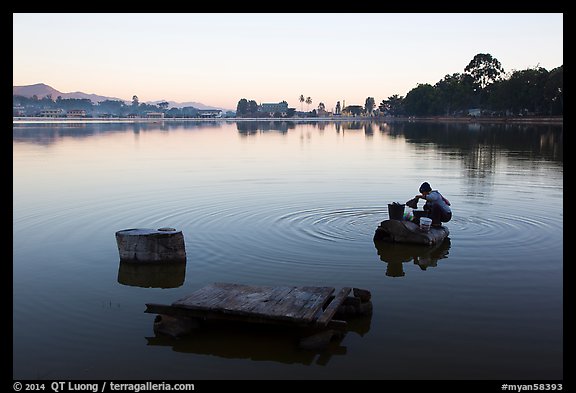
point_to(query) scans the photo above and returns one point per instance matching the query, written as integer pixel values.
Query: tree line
(33, 106)
(483, 88)
(486, 87)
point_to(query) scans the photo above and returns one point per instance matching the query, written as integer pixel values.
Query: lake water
(289, 203)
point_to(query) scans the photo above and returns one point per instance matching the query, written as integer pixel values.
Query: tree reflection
(251, 127)
(478, 145)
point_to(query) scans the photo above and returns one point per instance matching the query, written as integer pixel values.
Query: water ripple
(506, 234)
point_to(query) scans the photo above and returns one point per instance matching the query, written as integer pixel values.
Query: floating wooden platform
(298, 306)
(402, 231)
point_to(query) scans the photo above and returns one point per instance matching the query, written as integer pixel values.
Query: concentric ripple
(321, 224)
(508, 234)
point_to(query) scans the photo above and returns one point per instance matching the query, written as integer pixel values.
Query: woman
(437, 207)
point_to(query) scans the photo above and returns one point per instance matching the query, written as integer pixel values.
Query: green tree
(554, 91)
(47, 101)
(242, 107)
(526, 90)
(135, 102)
(302, 99)
(163, 105)
(498, 100)
(253, 108)
(189, 111)
(455, 93)
(484, 69)
(76, 103)
(145, 108)
(393, 106)
(338, 110)
(369, 105)
(308, 102)
(384, 107)
(422, 101)
(111, 107)
(174, 112)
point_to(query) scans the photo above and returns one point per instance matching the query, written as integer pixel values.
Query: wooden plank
(243, 298)
(205, 297)
(300, 301)
(246, 299)
(333, 307)
(318, 303)
(259, 303)
(217, 294)
(214, 315)
(281, 308)
(295, 303)
(284, 303)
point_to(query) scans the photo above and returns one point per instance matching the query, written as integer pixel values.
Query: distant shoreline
(486, 119)
(437, 119)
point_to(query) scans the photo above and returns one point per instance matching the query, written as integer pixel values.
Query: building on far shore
(271, 108)
(52, 113)
(155, 115)
(76, 113)
(18, 110)
(209, 113)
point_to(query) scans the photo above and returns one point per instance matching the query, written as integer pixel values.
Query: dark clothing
(412, 203)
(437, 215)
(438, 208)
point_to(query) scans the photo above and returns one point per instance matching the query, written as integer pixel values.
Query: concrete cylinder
(151, 245)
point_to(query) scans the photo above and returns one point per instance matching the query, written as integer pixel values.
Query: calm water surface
(276, 203)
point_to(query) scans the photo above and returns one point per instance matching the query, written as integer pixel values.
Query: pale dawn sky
(217, 59)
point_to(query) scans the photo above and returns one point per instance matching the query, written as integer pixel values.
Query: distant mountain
(174, 104)
(41, 90)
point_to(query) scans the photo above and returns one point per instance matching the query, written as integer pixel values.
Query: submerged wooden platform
(402, 231)
(301, 306)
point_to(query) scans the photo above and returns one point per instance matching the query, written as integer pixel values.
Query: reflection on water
(352, 125)
(480, 146)
(48, 133)
(252, 127)
(483, 141)
(256, 342)
(152, 275)
(395, 254)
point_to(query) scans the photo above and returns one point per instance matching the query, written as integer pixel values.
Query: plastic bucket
(425, 223)
(396, 211)
(417, 215)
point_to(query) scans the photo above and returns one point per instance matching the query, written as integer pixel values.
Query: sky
(219, 58)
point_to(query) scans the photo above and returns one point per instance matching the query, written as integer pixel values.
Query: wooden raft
(299, 306)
